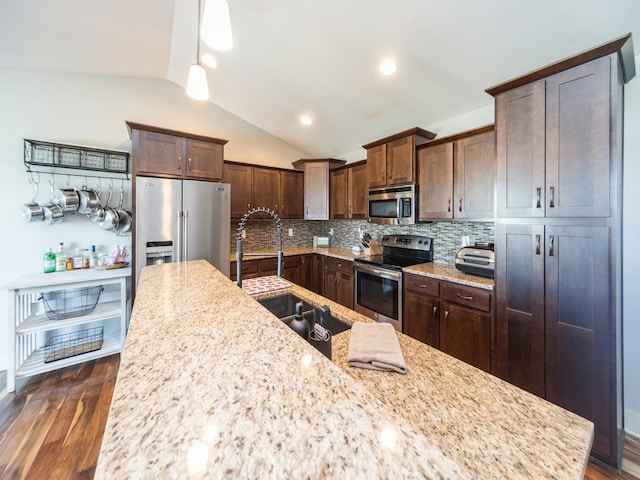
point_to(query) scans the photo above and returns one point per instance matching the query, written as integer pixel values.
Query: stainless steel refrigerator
(179, 220)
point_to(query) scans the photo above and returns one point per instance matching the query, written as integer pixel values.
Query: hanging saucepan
(89, 200)
(111, 220)
(33, 212)
(53, 214)
(97, 214)
(124, 217)
(67, 198)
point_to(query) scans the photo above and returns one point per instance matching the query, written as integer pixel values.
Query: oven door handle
(390, 274)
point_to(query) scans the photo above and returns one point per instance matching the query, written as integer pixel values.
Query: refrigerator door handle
(185, 232)
(178, 236)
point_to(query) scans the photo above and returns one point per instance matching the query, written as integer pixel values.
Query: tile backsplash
(447, 236)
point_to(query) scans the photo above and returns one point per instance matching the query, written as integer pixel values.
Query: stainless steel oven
(378, 294)
(378, 278)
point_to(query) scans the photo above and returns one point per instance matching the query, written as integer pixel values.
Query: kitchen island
(212, 385)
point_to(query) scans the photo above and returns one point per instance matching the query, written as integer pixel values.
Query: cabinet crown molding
(149, 128)
(623, 46)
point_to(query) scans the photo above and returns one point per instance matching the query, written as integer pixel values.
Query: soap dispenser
(299, 324)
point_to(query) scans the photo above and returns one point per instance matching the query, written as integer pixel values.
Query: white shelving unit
(29, 326)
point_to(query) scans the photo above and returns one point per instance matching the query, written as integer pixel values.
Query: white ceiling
(320, 56)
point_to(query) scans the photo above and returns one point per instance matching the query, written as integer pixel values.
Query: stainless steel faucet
(240, 254)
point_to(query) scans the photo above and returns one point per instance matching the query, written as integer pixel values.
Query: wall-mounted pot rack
(49, 157)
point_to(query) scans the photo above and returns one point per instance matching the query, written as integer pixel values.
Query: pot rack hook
(52, 182)
(36, 185)
(68, 180)
(32, 179)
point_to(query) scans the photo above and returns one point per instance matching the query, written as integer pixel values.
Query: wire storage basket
(61, 304)
(72, 344)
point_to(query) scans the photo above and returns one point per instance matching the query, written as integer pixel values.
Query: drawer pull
(420, 285)
(463, 297)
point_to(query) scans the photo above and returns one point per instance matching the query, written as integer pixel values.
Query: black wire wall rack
(54, 156)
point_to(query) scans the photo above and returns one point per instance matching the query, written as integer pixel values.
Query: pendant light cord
(198, 37)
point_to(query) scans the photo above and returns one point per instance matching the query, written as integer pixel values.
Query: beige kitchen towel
(375, 346)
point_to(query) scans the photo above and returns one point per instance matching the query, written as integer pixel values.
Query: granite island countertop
(438, 271)
(212, 385)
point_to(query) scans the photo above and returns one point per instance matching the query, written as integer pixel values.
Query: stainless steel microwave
(393, 205)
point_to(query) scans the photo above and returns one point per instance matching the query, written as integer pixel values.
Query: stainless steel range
(378, 278)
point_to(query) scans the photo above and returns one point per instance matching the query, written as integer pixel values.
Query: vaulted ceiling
(320, 57)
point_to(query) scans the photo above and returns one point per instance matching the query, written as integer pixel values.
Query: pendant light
(216, 25)
(197, 87)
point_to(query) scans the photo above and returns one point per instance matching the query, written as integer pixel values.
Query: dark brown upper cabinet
(392, 160)
(348, 192)
(456, 177)
(168, 153)
(277, 189)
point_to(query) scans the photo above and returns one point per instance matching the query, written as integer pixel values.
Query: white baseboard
(632, 423)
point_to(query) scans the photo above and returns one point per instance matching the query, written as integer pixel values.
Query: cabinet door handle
(446, 314)
(179, 162)
(538, 197)
(435, 313)
(448, 204)
(460, 203)
(189, 162)
(551, 246)
(552, 191)
(537, 244)
(463, 297)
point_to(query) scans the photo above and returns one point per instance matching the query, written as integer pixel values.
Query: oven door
(378, 294)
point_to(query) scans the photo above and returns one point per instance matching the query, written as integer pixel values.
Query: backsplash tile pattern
(447, 236)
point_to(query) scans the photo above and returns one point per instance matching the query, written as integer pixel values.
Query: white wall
(631, 260)
(92, 110)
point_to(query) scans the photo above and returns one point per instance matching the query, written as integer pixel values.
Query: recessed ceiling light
(388, 67)
(306, 120)
(209, 60)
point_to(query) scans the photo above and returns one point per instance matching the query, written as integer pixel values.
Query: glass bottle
(61, 259)
(49, 261)
(77, 260)
(86, 259)
(93, 258)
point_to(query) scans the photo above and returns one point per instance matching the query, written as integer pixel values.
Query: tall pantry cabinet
(558, 236)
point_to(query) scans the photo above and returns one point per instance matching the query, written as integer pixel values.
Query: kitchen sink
(284, 307)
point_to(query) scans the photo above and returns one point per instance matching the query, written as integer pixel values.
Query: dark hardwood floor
(52, 427)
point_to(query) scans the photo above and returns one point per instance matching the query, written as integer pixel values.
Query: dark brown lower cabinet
(338, 281)
(421, 313)
(454, 318)
(268, 266)
(554, 322)
(311, 272)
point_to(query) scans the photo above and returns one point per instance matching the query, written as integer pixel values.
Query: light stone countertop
(211, 385)
(438, 271)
